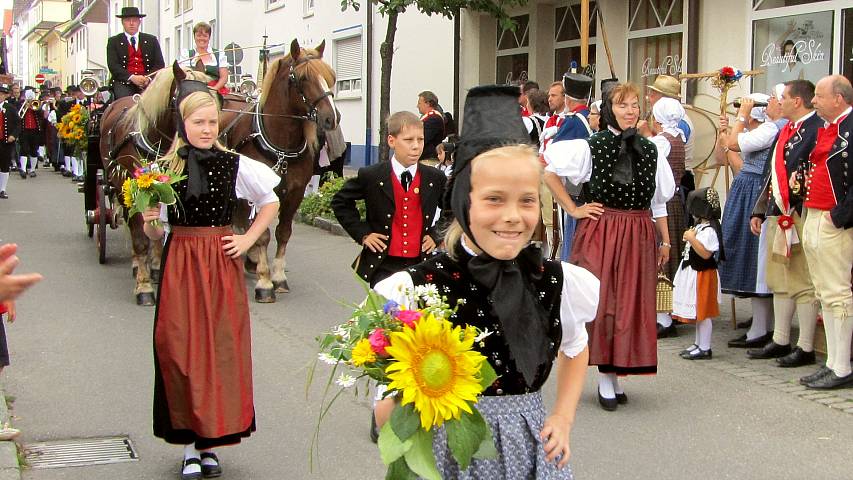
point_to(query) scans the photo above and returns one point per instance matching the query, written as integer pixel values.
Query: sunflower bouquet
(429, 365)
(148, 186)
(72, 128)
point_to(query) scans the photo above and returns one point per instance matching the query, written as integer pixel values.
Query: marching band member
(31, 132)
(9, 130)
(132, 55)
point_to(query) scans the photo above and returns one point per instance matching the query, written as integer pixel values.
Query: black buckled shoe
(797, 358)
(820, 373)
(758, 342)
(831, 381)
(210, 471)
(194, 475)
(33, 173)
(688, 350)
(744, 324)
(3, 194)
(771, 350)
(699, 354)
(621, 398)
(670, 331)
(609, 404)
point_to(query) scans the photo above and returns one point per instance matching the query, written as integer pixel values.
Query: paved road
(82, 367)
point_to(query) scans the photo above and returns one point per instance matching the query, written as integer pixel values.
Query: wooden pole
(603, 31)
(584, 33)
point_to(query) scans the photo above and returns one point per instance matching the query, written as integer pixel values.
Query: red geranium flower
(727, 72)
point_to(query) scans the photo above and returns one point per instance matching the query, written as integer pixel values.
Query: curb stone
(9, 468)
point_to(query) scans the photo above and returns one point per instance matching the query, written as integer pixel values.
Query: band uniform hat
(4, 88)
(667, 86)
(130, 12)
(577, 85)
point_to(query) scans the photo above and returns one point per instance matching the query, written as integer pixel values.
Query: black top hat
(130, 12)
(577, 85)
(4, 88)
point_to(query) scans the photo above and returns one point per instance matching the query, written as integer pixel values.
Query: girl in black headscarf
(534, 310)
(627, 174)
(202, 342)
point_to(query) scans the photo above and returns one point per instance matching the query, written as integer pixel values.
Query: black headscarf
(630, 145)
(492, 120)
(195, 158)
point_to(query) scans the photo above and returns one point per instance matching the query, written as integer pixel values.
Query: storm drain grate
(80, 452)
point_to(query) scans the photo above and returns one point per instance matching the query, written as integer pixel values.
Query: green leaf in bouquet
(165, 193)
(487, 450)
(400, 471)
(487, 375)
(405, 421)
(420, 457)
(465, 435)
(391, 448)
(364, 322)
(142, 200)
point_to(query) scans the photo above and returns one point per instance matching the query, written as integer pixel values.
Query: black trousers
(124, 90)
(7, 153)
(390, 266)
(30, 143)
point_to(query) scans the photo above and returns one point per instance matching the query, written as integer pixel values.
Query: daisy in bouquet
(148, 186)
(72, 128)
(428, 364)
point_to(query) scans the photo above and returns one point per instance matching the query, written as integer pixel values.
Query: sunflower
(434, 367)
(362, 353)
(76, 118)
(125, 193)
(146, 180)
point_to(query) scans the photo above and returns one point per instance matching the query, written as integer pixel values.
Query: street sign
(40, 78)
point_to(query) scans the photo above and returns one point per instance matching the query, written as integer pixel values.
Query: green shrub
(318, 204)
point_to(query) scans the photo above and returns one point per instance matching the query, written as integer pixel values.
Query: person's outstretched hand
(11, 286)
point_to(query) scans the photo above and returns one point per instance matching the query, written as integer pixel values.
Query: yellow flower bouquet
(431, 367)
(148, 186)
(72, 128)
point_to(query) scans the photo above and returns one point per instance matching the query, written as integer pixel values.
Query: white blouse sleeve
(578, 305)
(223, 60)
(255, 182)
(708, 238)
(396, 287)
(571, 159)
(758, 139)
(664, 182)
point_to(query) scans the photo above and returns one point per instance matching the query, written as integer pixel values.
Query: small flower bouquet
(148, 186)
(431, 367)
(72, 128)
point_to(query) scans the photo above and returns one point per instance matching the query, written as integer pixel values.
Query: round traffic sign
(40, 78)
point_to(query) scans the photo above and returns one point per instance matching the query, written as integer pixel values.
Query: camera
(736, 104)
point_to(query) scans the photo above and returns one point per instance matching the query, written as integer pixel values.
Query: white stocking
(67, 161)
(605, 385)
(41, 151)
(616, 387)
(664, 320)
(783, 312)
(762, 314)
(843, 331)
(828, 327)
(807, 316)
(33, 163)
(4, 180)
(703, 331)
(79, 167)
(191, 452)
(23, 164)
(74, 167)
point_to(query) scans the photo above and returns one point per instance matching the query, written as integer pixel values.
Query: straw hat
(667, 86)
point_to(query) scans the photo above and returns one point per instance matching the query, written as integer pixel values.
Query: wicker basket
(664, 294)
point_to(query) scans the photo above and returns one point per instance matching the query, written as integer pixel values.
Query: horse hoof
(281, 287)
(145, 299)
(155, 275)
(250, 266)
(265, 295)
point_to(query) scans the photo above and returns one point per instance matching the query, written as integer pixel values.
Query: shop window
(847, 44)
(649, 57)
(568, 20)
(519, 38)
(792, 47)
(563, 58)
(768, 4)
(512, 55)
(511, 69)
(645, 14)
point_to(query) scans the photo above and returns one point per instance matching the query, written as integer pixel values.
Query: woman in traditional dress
(202, 342)
(536, 309)
(742, 274)
(630, 176)
(215, 64)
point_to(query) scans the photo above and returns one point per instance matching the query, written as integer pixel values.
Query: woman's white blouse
(255, 182)
(758, 139)
(578, 302)
(573, 159)
(223, 60)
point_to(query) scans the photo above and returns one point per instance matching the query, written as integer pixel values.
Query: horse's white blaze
(325, 88)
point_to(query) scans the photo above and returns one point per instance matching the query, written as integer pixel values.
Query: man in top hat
(574, 125)
(10, 126)
(132, 55)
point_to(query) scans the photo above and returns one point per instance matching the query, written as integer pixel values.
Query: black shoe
(771, 350)
(374, 429)
(744, 324)
(33, 173)
(210, 471)
(664, 332)
(3, 194)
(797, 358)
(759, 342)
(699, 354)
(23, 174)
(609, 404)
(191, 476)
(831, 381)
(621, 398)
(66, 173)
(822, 372)
(687, 350)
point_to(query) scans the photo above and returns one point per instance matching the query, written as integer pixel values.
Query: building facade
(33, 20)
(85, 39)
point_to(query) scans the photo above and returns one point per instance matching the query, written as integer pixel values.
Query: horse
(281, 130)
(134, 129)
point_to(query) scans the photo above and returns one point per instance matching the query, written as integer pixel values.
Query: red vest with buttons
(820, 194)
(2, 123)
(407, 224)
(30, 120)
(135, 65)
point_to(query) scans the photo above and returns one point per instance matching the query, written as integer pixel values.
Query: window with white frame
(167, 43)
(273, 4)
(567, 43)
(513, 50)
(189, 40)
(214, 34)
(307, 8)
(348, 61)
(655, 40)
(178, 37)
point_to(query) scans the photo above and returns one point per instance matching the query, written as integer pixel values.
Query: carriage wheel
(102, 211)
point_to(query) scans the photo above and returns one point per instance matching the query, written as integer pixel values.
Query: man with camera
(782, 206)
(132, 55)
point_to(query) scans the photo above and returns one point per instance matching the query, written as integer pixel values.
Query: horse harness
(143, 147)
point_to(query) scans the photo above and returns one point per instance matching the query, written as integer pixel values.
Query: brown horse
(281, 130)
(133, 130)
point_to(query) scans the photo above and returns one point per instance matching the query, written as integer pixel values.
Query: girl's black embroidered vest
(604, 147)
(212, 209)
(454, 282)
(696, 262)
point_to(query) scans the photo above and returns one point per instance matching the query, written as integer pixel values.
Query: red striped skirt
(620, 249)
(202, 343)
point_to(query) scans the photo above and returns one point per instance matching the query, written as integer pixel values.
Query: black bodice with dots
(453, 281)
(212, 209)
(604, 147)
